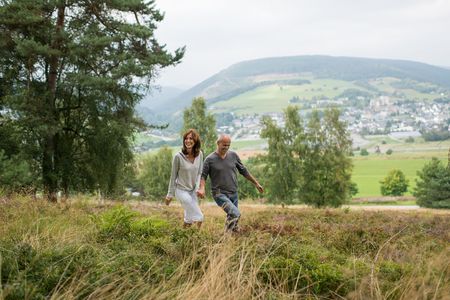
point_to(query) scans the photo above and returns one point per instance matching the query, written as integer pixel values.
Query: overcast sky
(219, 33)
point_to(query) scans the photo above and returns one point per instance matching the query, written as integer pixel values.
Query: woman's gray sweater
(185, 174)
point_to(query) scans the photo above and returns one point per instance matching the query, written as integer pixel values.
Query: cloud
(220, 33)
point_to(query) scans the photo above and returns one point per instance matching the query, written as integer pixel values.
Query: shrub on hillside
(155, 173)
(389, 151)
(433, 186)
(394, 184)
(364, 152)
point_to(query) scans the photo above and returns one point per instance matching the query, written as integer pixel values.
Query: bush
(433, 186)
(305, 268)
(364, 152)
(389, 151)
(155, 173)
(121, 223)
(394, 184)
(410, 139)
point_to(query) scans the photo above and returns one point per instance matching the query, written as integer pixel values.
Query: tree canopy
(71, 73)
(394, 184)
(433, 185)
(197, 117)
(311, 163)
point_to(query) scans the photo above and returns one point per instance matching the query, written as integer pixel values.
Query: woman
(185, 178)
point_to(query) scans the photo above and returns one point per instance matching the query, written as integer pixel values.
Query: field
(384, 84)
(407, 157)
(367, 173)
(274, 98)
(369, 170)
(97, 250)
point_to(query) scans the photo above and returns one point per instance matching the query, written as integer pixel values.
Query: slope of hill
(157, 99)
(306, 74)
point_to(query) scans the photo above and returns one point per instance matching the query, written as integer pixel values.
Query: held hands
(201, 193)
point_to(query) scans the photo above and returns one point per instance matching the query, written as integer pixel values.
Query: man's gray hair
(222, 136)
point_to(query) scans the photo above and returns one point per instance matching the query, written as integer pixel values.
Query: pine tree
(72, 72)
(433, 186)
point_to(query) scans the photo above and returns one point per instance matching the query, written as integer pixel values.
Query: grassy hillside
(275, 98)
(407, 78)
(88, 250)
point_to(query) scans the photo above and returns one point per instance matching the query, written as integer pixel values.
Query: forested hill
(247, 75)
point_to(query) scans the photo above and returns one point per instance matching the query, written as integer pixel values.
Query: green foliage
(304, 267)
(311, 165)
(433, 186)
(354, 188)
(436, 135)
(246, 189)
(394, 184)
(122, 223)
(409, 139)
(155, 172)
(116, 222)
(364, 152)
(198, 118)
(15, 174)
(327, 164)
(389, 151)
(71, 74)
(282, 166)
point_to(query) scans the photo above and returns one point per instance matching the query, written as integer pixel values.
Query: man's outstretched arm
(252, 179)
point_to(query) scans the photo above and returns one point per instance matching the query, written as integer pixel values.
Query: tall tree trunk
(49, 164)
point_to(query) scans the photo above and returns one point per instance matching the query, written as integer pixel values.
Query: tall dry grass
(80, 250)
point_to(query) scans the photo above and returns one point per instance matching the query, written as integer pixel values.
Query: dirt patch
(245, 154)
(381, 199)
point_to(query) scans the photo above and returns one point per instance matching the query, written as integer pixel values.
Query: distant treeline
(432, 136)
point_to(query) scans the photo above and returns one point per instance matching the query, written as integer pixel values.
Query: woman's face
(189, 142)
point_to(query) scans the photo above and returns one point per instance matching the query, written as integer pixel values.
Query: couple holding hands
(189, 174)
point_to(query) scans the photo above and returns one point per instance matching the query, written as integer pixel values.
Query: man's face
(223, 146)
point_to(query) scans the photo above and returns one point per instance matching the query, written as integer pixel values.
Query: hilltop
(257, 82)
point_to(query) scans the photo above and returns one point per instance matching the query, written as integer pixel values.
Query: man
(221, 166)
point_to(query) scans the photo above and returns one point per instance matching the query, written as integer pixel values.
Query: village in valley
(382, 115)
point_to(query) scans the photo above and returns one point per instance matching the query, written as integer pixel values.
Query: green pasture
(385, 84)
(419, 149)
(368, 172)
(274, 98)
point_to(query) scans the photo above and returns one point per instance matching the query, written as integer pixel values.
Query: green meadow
(274, 98)
(370, 170)
(387, 84)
